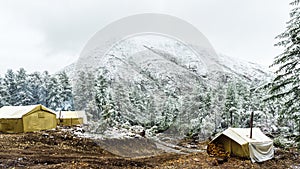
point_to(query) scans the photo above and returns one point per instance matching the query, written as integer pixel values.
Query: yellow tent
(17, 119)
(71, 118)
(237, 142)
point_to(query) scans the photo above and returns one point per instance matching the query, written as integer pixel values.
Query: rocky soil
(61, 149)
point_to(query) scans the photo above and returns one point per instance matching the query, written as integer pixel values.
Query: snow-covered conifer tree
(230, 105)
(23, 94)
(101, 95)
(65, 92)
(45, 88)
(53, 99)
(286, 85)
(35, 85)
(10, 83)
(4, 95)
(83, 90)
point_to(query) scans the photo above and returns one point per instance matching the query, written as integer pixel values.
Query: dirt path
(57, 149)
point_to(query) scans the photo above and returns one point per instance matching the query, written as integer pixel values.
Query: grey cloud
(234, 27)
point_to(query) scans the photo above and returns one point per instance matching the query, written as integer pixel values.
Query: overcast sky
(50, 34)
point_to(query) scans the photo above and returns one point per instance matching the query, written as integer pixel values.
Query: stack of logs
(218, 152)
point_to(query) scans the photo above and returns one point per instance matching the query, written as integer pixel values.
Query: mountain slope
(168, 85)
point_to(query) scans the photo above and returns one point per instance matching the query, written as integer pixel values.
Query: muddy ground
(58, 149)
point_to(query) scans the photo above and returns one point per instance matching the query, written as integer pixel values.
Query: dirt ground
(58, 149)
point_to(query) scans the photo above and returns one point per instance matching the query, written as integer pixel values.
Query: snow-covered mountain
(157, 81)
(245, 70)
(163, 58)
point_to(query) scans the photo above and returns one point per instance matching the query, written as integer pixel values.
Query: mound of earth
(130, 147)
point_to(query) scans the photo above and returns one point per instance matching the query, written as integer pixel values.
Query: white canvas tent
(237, 141)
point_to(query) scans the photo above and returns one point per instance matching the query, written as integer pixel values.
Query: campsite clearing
(59, 149)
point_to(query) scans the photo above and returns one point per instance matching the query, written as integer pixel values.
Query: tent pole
(251, 124)
(59, 117)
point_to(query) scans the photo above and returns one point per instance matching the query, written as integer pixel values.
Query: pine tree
(287, 82)
(45, 88)
(10, 83)
(53, 97)
(65, 92)
(4, 95)
(84, 90)
(35, 85)
(23, 94)
(106, 115)
(230, 105)
(101, 93)
(217, 107)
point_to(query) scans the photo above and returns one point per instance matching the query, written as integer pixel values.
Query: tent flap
(261, 151)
